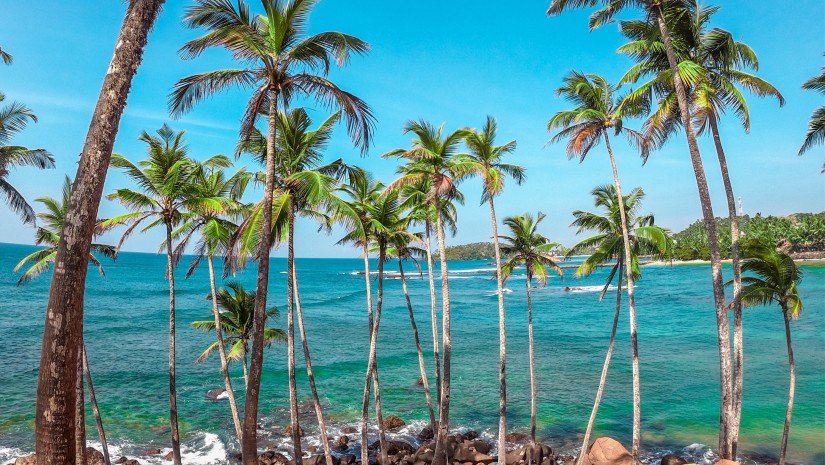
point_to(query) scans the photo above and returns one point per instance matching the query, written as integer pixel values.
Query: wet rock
(420, 381)
(349, 430)
(396, 447)
(471, 435)
(216, 394)
(272, 458)
(314, 460)
(288, 431)
(539, 454)
(424, 453)
(94, 457)
(426, 433)
(726, 462)
(515, 437)
(27, 460)
(514, 456)
(672, 459)
(347, 459)
(392, 422)
(311, 449)
(480, 446)
(169, 456)
(342, 443)
(153, 451)
(478, 457)
(608, 451)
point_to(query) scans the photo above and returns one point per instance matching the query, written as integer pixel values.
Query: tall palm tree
(39, 262)
(816, 127)
(236, 323)
(62, 341)
(215, 231)
(655, 13)
(489, 167)
(284, 63)
(14, 118)
(432, 160)
(597, 112)
(775, 279)
(525, 246)
(167, 190)
(714, 68)
(609, 244)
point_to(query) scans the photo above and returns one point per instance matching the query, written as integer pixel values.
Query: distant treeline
(479, 251)
(800, 232)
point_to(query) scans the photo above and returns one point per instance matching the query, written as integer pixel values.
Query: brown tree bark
(783, 449)
(62, 337)
(433, 310)
(722, 323)
(101, 433)
(173, 394)
(502, 341)
(290, 335)
(532, 356)
(440, 452)
(249, 445)
(80, 416)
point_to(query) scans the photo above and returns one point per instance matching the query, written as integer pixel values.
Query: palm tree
(38, 262)
(62, 342)
(166, 181)
(13, 119)
(284, 64)
(816, 127)
(236, 324)
(488, 166)
(776, 277)
(595, 114)
(525, 246)
(215, 231)
(655, 11)
(432, 160)
(5, 56)
(609, 244)
(714, 69)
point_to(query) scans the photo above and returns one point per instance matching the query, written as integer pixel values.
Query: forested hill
(474, 251)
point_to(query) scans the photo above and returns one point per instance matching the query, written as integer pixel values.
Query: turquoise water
(126, 334)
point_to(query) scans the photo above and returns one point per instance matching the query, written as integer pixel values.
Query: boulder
(480, 446)
(169, 456)
(608, 451)
(349, 430)
(314, 460)
(424, 453)
(311, 449)
(342, 443)
(272, 458)
(538, 454)
(152, 451)
(94, 457)
(392, 422)
(216, 394)
(347, 459)
(515, 437)
(471, 435)
(672, 459)
(420, 381)
(514, 456)
(288, 431)
(426, 433)
(726, 462)
(478, 457)
(395, 447)
(27, 460)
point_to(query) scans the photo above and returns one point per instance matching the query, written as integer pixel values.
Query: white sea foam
(474, 270)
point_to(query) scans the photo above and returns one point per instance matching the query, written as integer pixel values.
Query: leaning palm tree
(715, 67)
(775, 279)
(215, 231)
(13, 119)
(655, 13)
(37, 263)
(525, 246)
(608, 242)
(816, 127)
(432, 161)
(596, 113)
(236, 323)
(284, 64)
(166, 191)
(492, 171)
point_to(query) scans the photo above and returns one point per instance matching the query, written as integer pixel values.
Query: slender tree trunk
(101, 433)
(80, 415)
(421, 366)
(173, 395)
(722, 324)
(440, 453)
(368, 283)
(433, 311)
(249, 445)
(245, 368)
(319, 413)
(735, 255)
(290, 335)
(532, 355)
(372, 365)
(783, 449)
(603, 379)
(62, 336)
(233, 406)
(631, 303)
(502, 342)
(365, 405)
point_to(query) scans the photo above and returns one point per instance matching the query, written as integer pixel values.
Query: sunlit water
(126, 337)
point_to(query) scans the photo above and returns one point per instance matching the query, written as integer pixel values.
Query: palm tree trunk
(173, 395)
(372, 375)
(290, 336)
(502, 342)
(245, 368)
(783, 449)
(424, 381)
(62, 335)
(603, 379)
(80, 416)
(738, 331)
(315, 400)
(368, 283)
(249, 446)
(366, 400)
(233, 406)
(433, 311)
(101, 433)
(532, 355)
(631, 303)
(440, 453)
(722, 324)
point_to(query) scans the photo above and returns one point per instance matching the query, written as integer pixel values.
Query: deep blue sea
(126, 337)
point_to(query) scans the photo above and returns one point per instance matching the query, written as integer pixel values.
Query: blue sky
(453, 62)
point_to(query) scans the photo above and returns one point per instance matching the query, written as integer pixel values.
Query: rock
(726, 462)
(672, 459)
(122, 459)
(478, 457)
(94, 457)
(216, 394)
(347, 459)
(426, 433)
(420, 381)
(169, 456)
(342, 443)
(514, 456)
(288, 431)
(608, 451)
(538, 454)
(27, 460)
(349, 430)
(396, 447)
(480, 446)
(131, 462)
(272, 458)
(515, 437)
(392, 422)
(152, 451)
(471, 435)
(311, 449)
(424, 453)
(314, 460)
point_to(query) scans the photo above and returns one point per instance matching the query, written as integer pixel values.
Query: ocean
(126, 323)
